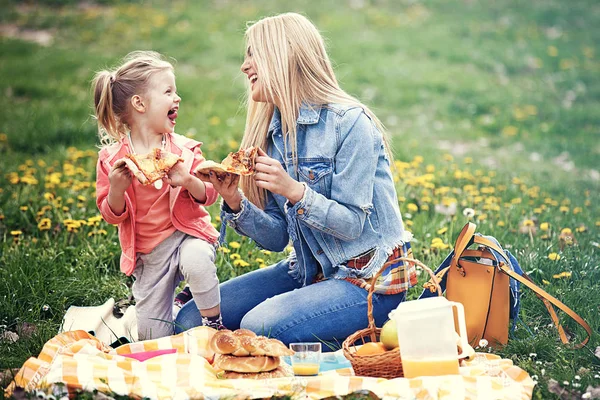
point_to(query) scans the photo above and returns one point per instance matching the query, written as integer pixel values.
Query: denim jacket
(350, 205)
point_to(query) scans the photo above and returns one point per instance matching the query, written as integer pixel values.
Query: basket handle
(418, 263)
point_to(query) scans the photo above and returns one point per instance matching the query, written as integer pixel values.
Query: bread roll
(246, 364)
(243, 342)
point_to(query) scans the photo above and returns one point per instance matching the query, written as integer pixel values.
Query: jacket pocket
(316, 173)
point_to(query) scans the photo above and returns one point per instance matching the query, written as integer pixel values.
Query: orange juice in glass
(429, 367)
(306, 358)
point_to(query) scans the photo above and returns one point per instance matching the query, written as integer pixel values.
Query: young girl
(324, 182)
(164, 231)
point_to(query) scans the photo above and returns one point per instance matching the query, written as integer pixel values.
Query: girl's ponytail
(108, 122)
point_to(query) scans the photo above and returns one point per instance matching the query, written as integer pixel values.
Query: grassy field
(493, 106)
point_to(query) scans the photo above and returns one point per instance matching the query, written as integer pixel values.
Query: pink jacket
(187, 214)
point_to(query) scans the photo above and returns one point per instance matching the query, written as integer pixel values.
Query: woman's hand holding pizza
(271, 176)
(226, 184)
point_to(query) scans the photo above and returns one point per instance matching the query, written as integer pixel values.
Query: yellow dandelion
(233, 144)
(15, 233)
(552, 51)
(289, 249)
(48, 196)
(597, 223)
(262, 266)
(544, 226)
(564, 209)
(438, 243)
(23, 208)
(500, 223)
(564, 274)
(545, 282)
(528, 222)
(408, 223)
(266, 252)
(442, 231)
(581, 229)
(566, 63)
(235, 256)
(259, 260)
(241, 263)
(411, 207)
(554, 256)
(566, 231)
(3, 137)
(224, 250)
(510, 130)
(235, 245)
(214, 121)
(577, 210)
(44, 224)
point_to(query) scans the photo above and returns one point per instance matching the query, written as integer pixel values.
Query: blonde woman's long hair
(113, 90)
(293, 67)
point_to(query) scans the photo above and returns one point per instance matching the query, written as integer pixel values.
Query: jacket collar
(308, 115)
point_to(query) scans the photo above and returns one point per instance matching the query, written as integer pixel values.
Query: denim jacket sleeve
(253, 222)
(344, 213)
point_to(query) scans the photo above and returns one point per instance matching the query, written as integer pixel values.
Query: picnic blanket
(75, 360)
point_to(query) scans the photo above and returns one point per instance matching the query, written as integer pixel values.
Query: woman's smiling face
(249, 68)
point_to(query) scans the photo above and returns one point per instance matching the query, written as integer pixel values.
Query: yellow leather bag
(486, 280)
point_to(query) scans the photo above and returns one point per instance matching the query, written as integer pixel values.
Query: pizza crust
(238, 163)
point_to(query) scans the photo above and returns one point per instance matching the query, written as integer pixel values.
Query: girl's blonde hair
(294, 68)
(114, 89)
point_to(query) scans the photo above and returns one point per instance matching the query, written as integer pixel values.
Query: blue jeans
(270, 302)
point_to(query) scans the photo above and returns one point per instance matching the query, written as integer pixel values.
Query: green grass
(499, 101)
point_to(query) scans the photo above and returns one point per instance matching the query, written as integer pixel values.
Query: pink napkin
(145, 355)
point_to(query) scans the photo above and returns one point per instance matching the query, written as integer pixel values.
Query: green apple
(389, 335)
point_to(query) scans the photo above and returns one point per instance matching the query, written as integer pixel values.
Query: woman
(323, 181)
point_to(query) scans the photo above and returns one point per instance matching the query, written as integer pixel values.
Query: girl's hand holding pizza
(178, 175)
(119, 177)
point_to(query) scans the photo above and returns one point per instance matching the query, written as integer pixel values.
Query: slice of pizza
(239, 163)
(151, 167)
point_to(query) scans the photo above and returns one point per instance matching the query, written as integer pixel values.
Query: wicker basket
(388, 364)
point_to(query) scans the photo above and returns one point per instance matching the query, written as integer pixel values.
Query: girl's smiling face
(162, 102)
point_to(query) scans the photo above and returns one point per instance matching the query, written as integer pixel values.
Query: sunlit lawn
(494, 111)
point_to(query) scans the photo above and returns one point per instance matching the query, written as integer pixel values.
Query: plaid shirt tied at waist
(396, 278)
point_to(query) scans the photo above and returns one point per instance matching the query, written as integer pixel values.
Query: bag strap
(462, 242)
(544, 296)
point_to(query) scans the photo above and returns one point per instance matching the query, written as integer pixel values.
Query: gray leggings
(158, 273)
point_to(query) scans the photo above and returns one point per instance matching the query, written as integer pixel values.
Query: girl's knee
(197, 253)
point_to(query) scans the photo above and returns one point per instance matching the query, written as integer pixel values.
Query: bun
(282, 371)
(243, 342)
(246, 364)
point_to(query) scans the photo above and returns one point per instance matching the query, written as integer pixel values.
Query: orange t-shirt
(152, 220)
